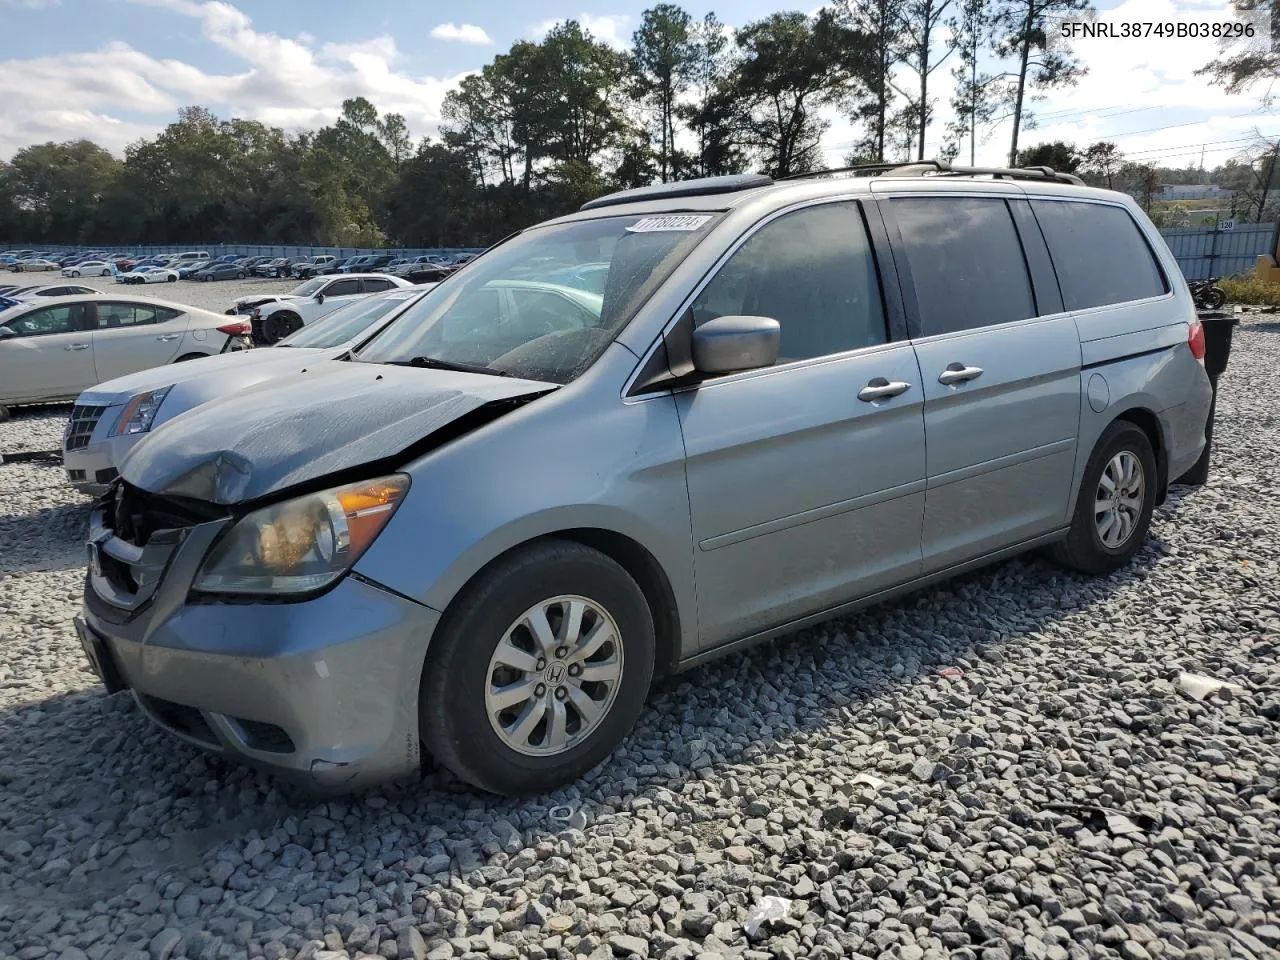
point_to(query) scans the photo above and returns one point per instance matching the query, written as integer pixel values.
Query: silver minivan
(485, 532)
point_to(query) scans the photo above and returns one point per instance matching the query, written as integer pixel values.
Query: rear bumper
(324, 692)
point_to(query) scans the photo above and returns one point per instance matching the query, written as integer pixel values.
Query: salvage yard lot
(740, 780)
(218, 295)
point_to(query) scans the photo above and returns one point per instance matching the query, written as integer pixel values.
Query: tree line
(546, 126)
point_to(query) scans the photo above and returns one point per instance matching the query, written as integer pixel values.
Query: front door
(1000, 366)
(48, 355)
(805, 479)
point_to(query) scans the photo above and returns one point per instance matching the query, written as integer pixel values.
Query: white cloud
(30, 4)
(462, 33)
(292, 83)
(608, 28)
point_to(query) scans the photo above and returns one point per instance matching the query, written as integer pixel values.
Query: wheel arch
(639, 563)
(1145, 420)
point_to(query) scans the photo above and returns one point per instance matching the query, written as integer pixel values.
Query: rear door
(1000, 367)
(135, 336)
(806, 479)
(50, 353)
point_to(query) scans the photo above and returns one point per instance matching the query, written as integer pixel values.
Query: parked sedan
(55, 290)
(88, 268)
(35, 264)
(316, 298)
(110, 418)
(220, 271)
(54, 349)
(148, 275)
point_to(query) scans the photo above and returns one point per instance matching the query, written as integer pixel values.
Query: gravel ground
(902, 813)
(216, 296)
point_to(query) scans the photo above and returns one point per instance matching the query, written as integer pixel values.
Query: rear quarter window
(1099, 253)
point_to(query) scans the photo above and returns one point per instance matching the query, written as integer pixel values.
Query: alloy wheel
(1118, 501)
(554, 676)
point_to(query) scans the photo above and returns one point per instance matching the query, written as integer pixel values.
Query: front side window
(811, 270)
(43, 322)
(1099, 253)
(966, 261)
(511, 313)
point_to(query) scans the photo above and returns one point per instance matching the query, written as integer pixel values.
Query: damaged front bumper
(323, 691)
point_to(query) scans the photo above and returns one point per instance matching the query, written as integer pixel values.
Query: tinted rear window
(1099, 253)
(966, 262)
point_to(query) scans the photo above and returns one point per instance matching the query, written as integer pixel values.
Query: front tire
(240, 275)
(277, 326)
(1114, 505)
(75, 273)
(538, 670)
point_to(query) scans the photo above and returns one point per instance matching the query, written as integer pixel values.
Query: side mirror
(319, 298)
(7, 332)
(730, 344)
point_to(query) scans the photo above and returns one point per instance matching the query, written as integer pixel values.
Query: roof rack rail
(1012, 173)
(867, 169)
(702, 186)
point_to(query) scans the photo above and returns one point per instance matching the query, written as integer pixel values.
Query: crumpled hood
(334, 416)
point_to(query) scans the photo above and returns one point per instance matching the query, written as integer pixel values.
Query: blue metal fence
(1201, 251)
(1212, 252)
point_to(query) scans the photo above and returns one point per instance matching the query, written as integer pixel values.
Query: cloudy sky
(115, 70)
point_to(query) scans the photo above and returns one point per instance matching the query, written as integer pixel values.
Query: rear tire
(240, 275)
(75, 273)
(469, 667)
(1114, 504)
(170, 279)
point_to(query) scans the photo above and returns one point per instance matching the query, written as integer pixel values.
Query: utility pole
(1266, 184)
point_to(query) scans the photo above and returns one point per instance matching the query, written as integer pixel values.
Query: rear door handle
(882, 389)
(170, 336)
(77, 346)
(958, 373)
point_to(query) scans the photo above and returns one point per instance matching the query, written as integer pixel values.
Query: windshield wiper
(432, 363)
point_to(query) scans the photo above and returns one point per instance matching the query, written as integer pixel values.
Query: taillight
(241, 328)
(1195, 339)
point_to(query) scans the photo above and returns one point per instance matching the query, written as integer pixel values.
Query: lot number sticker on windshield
(661, 224)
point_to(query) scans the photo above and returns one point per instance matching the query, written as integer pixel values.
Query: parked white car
(276, 317)
(55, 290)
(110, 418)
(89, 268)
(54, 349)
(34, 264)
(147, 275)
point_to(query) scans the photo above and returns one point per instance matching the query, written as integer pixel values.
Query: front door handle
(882, 389)
(169, 336)
(77, 346)
(958, 373)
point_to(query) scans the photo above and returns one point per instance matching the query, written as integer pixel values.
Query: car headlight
(302, 544)
(139, 412)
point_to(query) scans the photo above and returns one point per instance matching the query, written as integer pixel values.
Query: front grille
(181, 719)
(80, 426)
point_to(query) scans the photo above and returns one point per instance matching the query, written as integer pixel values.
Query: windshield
(512, 312)
(308, 288)
(346, 323)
